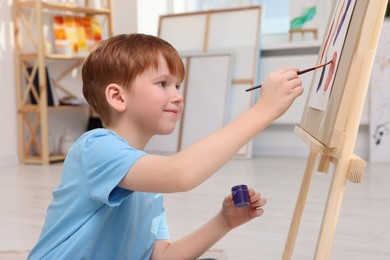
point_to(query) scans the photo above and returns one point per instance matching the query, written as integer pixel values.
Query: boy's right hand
(279, 90)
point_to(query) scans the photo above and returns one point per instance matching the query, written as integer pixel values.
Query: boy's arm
(193, 165)
(198, 242)
(193, 245)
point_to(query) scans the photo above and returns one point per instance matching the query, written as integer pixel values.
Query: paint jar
(240, 196)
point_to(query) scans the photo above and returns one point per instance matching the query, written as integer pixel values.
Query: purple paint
(341, 22)
(240, 196)
(321, 78)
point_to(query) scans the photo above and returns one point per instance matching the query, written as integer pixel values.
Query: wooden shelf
(54, 6)
(36, 159)
(32, 65)
(36, 108)
(69, 107)
(291, 45)
(51, 56)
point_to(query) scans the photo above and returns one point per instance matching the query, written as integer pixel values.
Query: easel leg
(299, 207)
(332, 210)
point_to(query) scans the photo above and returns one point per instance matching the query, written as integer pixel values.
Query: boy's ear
(115, 97)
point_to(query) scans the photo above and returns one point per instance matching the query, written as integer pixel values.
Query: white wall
(149, 12)
(124, 16)
(8, 111)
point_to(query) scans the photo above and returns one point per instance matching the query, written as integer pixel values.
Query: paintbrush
(299, 73)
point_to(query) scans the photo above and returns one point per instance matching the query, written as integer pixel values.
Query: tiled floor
(363, 230)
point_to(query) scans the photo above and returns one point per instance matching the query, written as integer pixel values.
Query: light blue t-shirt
(91, 218)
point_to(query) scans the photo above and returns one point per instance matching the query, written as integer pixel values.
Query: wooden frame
(202, 93)
(235, 30)
(334, 140)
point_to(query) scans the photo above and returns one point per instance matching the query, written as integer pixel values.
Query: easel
(339, 149)
(350, 168)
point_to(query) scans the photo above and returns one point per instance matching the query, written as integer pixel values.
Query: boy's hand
(279, 90)
(235, 217)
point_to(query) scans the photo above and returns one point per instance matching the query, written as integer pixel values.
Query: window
(275, 13)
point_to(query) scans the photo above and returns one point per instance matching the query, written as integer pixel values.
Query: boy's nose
(178, 97)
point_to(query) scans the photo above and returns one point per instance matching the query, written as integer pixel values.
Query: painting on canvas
(331, 51)
(303, 14)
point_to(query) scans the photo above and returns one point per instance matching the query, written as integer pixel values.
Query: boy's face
(155, 103)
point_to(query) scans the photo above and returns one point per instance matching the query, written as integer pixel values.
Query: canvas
(332, 49)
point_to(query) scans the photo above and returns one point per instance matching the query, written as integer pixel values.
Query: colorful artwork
(306, 16)
(303, 14)
(331, 51)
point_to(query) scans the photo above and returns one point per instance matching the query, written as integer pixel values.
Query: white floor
(363, 230)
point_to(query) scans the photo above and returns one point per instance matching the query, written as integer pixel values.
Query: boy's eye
(163, 84)
(177, 86)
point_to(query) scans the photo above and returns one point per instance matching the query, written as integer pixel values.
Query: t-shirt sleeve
(163, 230)
(106, 159)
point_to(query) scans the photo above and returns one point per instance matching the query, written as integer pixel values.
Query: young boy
(109, 203)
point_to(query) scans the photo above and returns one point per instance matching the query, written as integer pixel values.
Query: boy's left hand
(235, 217)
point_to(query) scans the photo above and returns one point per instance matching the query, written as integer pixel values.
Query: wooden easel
(339, 150)
(347, 167)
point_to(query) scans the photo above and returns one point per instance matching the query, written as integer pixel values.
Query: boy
(109, 203)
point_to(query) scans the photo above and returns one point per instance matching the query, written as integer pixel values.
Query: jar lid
(240, 187)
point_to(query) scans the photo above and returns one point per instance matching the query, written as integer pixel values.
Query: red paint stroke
(327, 40)
(342, 21)
(331, 71)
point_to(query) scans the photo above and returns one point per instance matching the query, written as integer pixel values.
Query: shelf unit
(31, 51)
